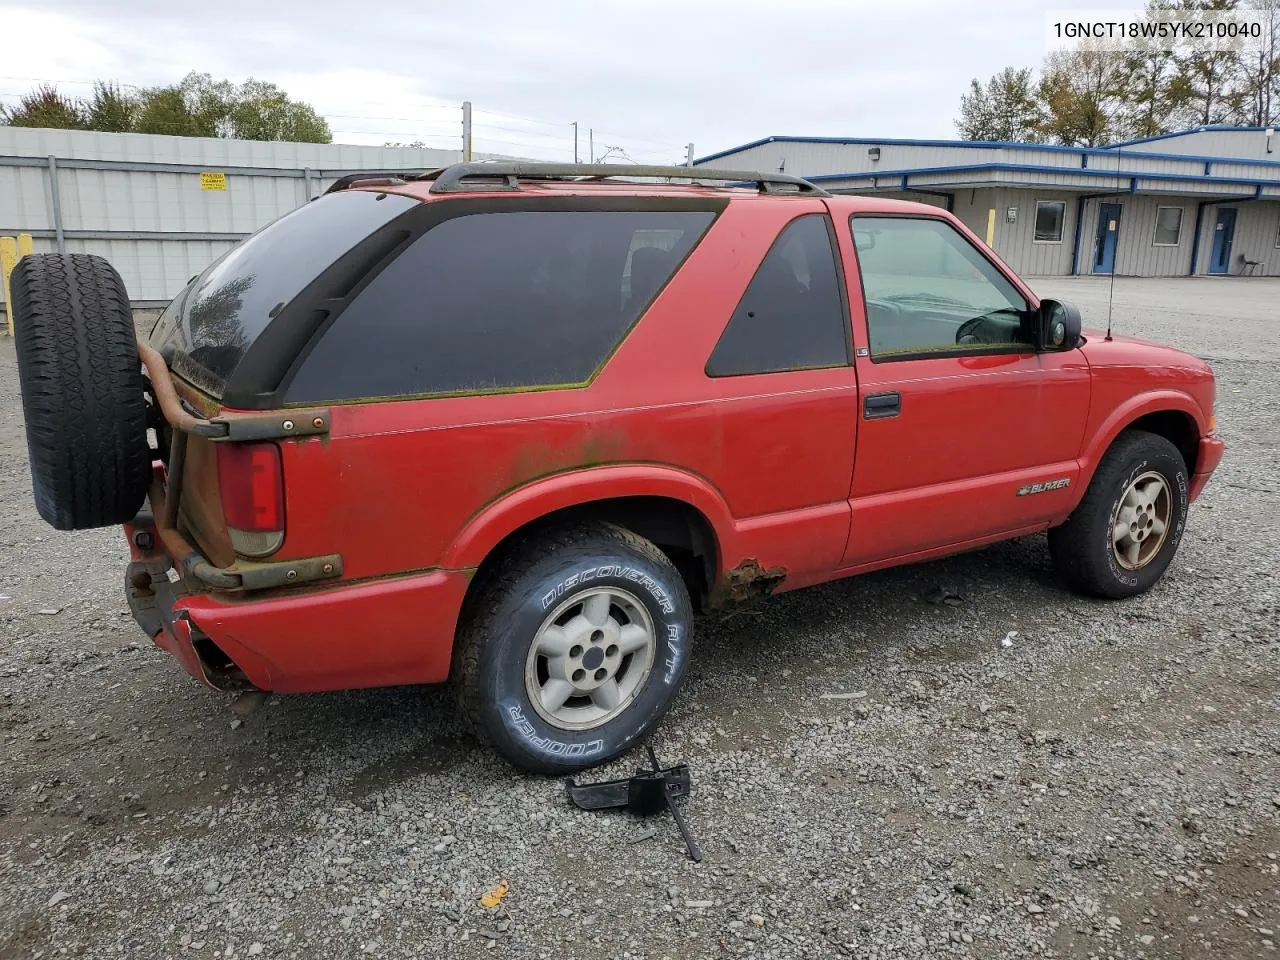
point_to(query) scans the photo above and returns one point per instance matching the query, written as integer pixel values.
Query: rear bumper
(1210, 455)
(341, 636)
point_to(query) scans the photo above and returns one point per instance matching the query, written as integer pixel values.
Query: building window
(1168, 226)
(1050, 215)
(791, 316)
(1278, 236)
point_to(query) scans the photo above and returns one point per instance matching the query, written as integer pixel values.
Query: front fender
(1155, 401)
(503, 516)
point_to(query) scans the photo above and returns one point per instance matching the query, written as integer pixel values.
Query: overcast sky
(648, 77)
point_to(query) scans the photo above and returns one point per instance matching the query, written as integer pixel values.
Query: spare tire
(82, 390)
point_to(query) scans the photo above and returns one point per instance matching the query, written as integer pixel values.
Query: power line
(73, 83)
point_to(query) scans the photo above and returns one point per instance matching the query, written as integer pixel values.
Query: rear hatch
(232, 501)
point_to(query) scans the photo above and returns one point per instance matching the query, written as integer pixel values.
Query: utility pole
(575, 141)
(466, 131)
(688, 150)
(591, 144)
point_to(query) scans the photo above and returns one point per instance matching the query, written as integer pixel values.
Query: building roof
(908, 164)
(1207, 128)
(1104, 181)
(1107, 151)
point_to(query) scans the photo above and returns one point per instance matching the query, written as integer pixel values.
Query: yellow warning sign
(213, 181)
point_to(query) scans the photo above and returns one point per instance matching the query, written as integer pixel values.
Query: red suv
(514, 423)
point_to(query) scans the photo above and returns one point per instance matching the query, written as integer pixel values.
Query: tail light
(251, 485)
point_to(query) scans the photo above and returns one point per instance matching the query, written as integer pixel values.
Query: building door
(1104, 257)
(1224, 233)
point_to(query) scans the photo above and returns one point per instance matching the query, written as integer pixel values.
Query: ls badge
(1044, 487)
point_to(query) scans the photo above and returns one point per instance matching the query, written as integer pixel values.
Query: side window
(928, 291)
(792, 316)
(499, 301)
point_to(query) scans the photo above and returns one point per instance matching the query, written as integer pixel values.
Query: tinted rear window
(499, 301)
(791, 316)
(207, 328)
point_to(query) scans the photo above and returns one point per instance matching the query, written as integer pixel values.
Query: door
(967, 431)
(1224, 234)
(1104, 258)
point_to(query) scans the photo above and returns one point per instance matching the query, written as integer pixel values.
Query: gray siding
(1248, 144)
(1015, 242)
(1257, 230)
(815, 159)
(1257, 227)
(806, 159)
(1136, 252)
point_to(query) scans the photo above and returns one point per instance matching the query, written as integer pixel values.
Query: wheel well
(1176, 427)
(677, 529)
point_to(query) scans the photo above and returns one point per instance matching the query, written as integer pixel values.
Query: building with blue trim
(1201, 201)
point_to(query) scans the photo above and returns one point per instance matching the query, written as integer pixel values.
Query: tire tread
(82, 390)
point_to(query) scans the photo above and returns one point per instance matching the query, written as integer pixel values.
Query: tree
(111, 109)
(44, 107)
(1150, 91)
(1255, 99)
(197, 106)
(209, 102)
(164, 110)
(258, 110)
(1208, 75)
(1080, 95)
(1004, 109)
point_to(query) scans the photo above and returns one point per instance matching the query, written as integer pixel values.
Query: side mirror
(864, 240)
(1059, 325)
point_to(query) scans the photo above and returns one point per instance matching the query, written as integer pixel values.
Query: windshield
(207, 328)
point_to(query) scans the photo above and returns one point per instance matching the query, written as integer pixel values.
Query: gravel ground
(875, 775)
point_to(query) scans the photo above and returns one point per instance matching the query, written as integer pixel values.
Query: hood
(1160, 360)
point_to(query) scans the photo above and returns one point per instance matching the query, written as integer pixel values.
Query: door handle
(879, 406)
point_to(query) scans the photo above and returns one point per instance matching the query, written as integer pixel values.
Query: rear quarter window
(499, 301)
(207, 329)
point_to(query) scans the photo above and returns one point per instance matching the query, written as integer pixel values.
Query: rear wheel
(82, 390)
(575, 648)
(1122, 537)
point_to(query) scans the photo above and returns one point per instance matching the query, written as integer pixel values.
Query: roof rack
(373, 178)
(464, 177)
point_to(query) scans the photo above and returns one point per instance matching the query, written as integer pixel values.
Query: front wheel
(1122, 537)
(573, 651)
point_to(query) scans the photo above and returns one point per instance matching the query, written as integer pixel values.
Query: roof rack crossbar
(373, 177)
(464, 177)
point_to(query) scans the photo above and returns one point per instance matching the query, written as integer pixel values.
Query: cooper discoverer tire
(82, 390)
(1122, 537)
(592, 611)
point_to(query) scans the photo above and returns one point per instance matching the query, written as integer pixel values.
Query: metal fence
(162, 208)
